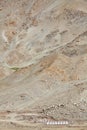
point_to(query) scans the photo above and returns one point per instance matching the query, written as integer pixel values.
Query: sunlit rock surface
(43, 57)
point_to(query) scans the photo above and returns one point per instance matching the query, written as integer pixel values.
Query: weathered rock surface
(43, 57)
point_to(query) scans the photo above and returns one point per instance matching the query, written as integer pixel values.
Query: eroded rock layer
(43, 57)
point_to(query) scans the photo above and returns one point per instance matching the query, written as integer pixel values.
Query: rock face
(43, 57)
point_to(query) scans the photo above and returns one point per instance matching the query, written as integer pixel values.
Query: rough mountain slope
(43, 58)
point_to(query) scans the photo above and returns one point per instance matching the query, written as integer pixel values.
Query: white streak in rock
(4, 37)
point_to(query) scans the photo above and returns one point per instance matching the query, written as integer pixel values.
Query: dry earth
(43, 64)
